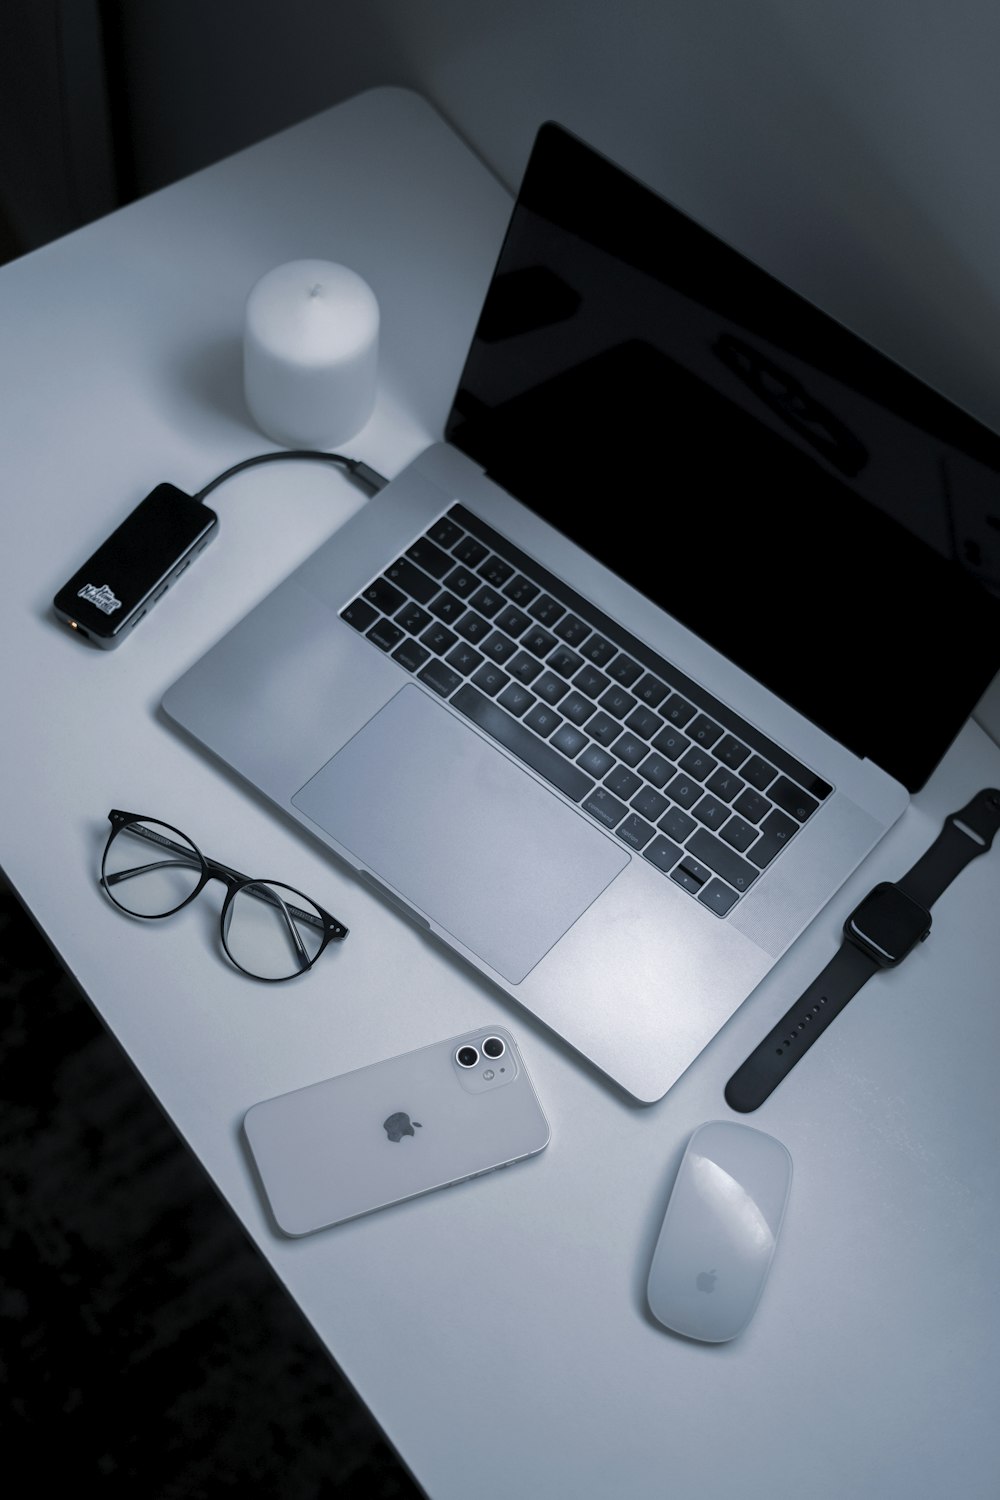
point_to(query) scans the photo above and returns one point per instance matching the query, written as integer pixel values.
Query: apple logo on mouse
(705, 1281)
(399, 1124)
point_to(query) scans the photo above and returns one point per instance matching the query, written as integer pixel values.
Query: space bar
(513, 736)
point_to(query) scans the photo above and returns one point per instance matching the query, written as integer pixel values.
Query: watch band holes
(789, 1039)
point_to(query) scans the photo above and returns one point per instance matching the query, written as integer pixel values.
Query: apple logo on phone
(399, 1124)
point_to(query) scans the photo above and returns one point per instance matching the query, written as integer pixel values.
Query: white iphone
(395, 1129)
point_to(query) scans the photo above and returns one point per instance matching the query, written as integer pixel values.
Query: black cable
(366, 475)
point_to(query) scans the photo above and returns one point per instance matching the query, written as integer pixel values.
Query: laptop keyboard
(694, 789)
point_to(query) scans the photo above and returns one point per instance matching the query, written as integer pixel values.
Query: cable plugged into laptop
(131, 571)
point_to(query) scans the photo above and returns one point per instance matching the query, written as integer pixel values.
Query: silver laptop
(613, 687)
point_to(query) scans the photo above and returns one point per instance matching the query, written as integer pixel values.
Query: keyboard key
(718, 897)
(671, 743)
(724, 783)
(721, 858)
(550, 687)
(656, 769)
(624, 670)
(704, 731)
(663, 853)
(410, 654)
(470, 552)
(564, 661)
(486, 600)
(649, 803)
(635, 831)
(691, 875)
(643, 721)
(569, 740)
(412, 618)
(445, 533)
(630, 748)
(623, 782)
(516, 699)
(697, 762)
(592, 682)
(757, 771)
(542, 719)
(524, 667)
(617, 701)
(412, 580)
(512, 620)
(439, 677)
(603, 729)
(439, 638)
(739, 833)
(496, 571)
(461, 582)
(359, 614)
(385, 634)
(472, 627)
(677, 710)
(464, 658)
(547, 610)
(683, 790)
(751, 805)
(521, 590)
(446, 607)
(384, 595)
(677, 824)
(429, 556)
(650, 690)
(605, 807)
(731, 751)
(491, 678)
(576, 707)
(498, 647)
(511, 733)
(711, 812)
(595, 761)
(538, 640)
(792, 799)
(572, 630)
(775, 831)
(596, 649)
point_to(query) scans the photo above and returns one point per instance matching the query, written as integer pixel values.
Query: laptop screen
(814, 511)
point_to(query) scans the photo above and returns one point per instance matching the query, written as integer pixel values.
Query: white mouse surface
(719, 1231)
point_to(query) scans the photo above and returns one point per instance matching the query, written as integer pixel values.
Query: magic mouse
(719, 1232)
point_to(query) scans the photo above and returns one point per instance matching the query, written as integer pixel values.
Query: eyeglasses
(269, 930)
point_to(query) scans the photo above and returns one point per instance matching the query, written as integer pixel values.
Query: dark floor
(145, 1347)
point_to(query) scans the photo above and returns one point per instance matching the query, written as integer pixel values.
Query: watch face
(888, 923)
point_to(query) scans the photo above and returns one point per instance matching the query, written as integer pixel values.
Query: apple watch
(892, 920)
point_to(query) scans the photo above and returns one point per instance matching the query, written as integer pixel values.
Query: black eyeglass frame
(235, 882)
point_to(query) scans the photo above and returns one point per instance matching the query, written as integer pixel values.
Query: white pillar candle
(310, 353)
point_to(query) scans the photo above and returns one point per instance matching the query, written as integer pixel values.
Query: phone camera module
(466, 1057)
(493, 1046)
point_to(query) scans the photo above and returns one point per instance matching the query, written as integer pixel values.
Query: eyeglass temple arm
(273, 899)
(186, 860)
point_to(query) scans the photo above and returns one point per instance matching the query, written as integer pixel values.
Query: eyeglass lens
(272, 931)
(150, 869)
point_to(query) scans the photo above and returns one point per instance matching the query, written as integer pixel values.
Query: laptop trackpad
(461, 832)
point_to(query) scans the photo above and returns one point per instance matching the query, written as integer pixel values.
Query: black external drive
(106, 598)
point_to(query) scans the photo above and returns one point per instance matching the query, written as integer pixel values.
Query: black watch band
(965, 835)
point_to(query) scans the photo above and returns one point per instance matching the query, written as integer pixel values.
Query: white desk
(497, 1332)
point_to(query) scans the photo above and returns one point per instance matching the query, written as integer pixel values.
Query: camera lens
(466, 1057)
(493, 1046)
